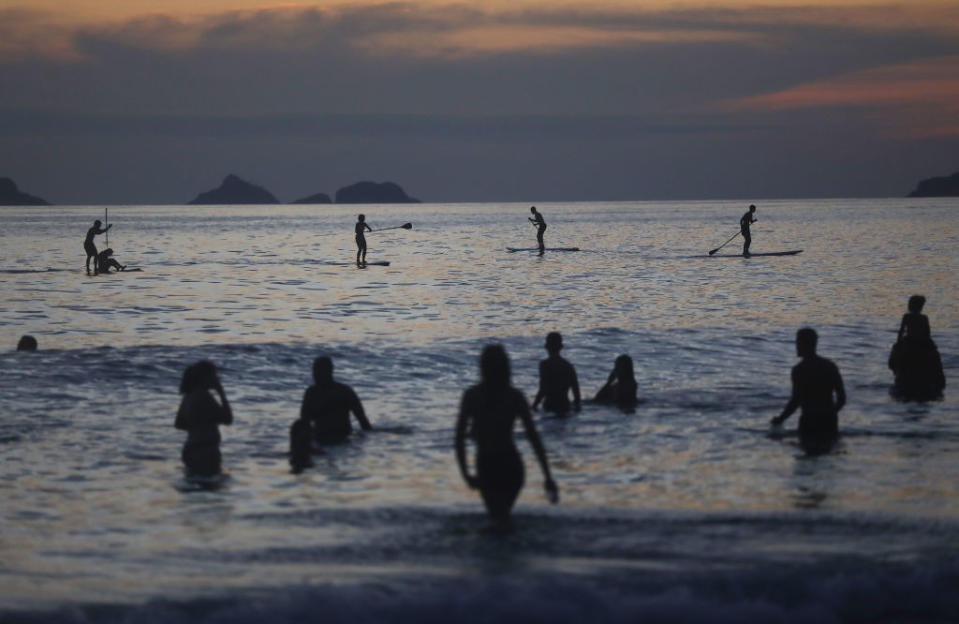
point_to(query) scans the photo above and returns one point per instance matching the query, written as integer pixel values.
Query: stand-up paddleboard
(363, 264)
(133, 270)
(514, 249)
(792, 252)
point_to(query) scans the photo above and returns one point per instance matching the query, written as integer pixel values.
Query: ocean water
(688, 509)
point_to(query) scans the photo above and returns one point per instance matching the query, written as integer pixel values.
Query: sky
(155, 101)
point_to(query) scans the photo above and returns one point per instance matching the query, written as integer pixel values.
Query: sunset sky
(153, 101)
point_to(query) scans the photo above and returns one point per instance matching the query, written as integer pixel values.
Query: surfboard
(791, 252)
(513, 249)
(377, 263)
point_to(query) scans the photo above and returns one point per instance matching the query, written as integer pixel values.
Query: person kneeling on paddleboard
(105, 262)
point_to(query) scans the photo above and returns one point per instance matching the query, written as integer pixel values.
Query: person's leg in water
(501, 477)
(91, 253)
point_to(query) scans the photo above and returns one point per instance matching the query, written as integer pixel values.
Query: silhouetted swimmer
(106, 261)
(540, 223)
(488, 413)
(744, 223)
(90, 248)
(915, 359)
(620, 387)
(27, 343)
(818, 390)
(200, 416)
(361, 228)
(327, 405)
(301, 445)
(556, 378)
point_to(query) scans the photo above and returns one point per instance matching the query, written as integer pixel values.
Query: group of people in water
(489, 410)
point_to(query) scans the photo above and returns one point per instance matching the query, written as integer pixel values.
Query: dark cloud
(303, 100)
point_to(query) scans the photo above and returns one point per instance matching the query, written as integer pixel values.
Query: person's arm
(839, 389)
(791, 405)
(575, 384)
(357, 408)
(226, 412)
(181, 420)
(367, 226)
(540, 393)
(552, 491)
(459, 442)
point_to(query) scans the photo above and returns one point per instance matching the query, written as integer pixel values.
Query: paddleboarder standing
(540, 223)
(361, 228)
(744, 223)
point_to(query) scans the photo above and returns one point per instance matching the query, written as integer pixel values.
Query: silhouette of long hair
(624, 367)
(494, 366)
(196, 375)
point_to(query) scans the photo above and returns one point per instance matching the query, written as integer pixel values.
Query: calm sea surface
(689, 509)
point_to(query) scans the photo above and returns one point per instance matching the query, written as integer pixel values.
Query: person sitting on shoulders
(200, 416)
(105, 262)
(818, 390)
(620, 387)
(556, 378)
(915, 325)
(327, 405)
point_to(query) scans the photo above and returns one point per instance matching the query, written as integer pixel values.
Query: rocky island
(234, 190)
(943, 186)
(374, 193)
(10, 195)
(316, 198)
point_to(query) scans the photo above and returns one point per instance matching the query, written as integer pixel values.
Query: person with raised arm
(488, 413)
(200, 416)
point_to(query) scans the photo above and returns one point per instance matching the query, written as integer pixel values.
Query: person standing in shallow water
(361, 228)
(90, 248)
(327, 405)
(200, 416)
(744, 223)
(556, 378)
(540, 223)
(488, 413)
(818, 390)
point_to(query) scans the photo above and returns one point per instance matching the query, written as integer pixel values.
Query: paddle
(724, 244)
(405, 226)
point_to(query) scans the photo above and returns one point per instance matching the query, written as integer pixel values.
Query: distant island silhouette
(234, 190)
(316, 198)
(10, 195)
(373, 193)
(943, 186)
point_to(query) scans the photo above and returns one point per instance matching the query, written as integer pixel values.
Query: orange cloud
(914, 99)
